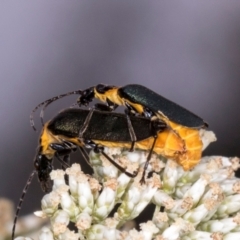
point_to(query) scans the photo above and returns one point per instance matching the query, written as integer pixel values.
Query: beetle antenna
(21, 201)
(43, 109)
(46, 103)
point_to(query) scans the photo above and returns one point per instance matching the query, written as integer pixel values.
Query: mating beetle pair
(159, 126)
(141, 101)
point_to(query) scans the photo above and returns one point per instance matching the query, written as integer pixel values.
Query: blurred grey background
(187, 51)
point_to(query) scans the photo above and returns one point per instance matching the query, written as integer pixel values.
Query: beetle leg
(111, 105)
(86, 123)
(157, 126)
(66, 165)
(147, 113)
(131, 130)
(66, 159)
(89, 116)
(84, 155)
(103, 107)
(142, 181)
(131, 110)
(100, 149)
(63, 148)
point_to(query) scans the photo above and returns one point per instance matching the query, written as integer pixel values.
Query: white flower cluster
(198, 204)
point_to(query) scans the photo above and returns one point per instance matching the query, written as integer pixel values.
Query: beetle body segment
(111, 130)
(193, 146)
(46, 139)
(141, 98)
(108, 94)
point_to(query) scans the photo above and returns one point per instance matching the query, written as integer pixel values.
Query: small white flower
(106, 200)
(60, 221)
(83, 221)
(170, 177)
(72, 173)
(50, 203)
(46, 234)
(85, 196)
(148, 230)
(58, 178)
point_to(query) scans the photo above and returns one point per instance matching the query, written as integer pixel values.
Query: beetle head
(43, 166)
